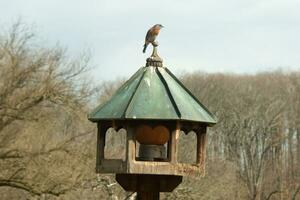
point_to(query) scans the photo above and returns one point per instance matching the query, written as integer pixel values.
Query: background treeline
(47, 146)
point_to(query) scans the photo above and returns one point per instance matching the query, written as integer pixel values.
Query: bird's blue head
(158, 26)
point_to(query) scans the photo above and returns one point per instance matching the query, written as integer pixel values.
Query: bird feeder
(154, 107)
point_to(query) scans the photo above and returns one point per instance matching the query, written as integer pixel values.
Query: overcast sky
(240, 36)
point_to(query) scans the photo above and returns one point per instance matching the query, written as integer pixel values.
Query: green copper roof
(153, 93)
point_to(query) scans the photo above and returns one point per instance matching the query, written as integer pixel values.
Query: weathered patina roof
(153, 93)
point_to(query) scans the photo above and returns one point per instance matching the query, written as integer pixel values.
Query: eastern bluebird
(151, 36)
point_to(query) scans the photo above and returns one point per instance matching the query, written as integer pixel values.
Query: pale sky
(240, 36)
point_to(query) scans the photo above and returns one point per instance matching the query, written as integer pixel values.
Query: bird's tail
(145, 47)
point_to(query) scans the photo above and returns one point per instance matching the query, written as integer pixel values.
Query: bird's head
(158, 26)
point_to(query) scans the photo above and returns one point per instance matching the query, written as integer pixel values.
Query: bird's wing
(148, 35)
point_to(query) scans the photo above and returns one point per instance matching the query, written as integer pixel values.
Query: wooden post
(201, 142)
(130, 145)
(172, 151)
(100, 143)
(148, 195)
(147, 186)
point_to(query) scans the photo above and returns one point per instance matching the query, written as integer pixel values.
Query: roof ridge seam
(136, 88)
(191, 94)
(169, 92)
(100, 106)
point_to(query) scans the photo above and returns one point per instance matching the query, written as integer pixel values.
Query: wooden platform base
(148, 186)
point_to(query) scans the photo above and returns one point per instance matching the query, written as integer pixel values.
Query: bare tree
(257, 126)
(47, 147)
(43, 94)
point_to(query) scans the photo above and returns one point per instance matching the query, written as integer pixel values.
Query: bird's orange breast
(156, 31)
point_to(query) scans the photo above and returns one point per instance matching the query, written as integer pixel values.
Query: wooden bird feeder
(153, 106)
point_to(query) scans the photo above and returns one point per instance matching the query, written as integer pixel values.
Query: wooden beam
(201, 146)
(101, 133)
(130, 145)
(147, 195)
(174, 143)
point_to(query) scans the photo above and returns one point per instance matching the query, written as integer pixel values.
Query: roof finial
(154, 59)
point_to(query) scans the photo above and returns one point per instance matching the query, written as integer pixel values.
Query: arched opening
(162, 150)
(115, 144)
(187, 147)
(151, 143)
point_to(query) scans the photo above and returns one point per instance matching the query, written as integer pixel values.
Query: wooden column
(148, 195)
(201, 143)
(130, 145)
(100, 143)
(173, 144)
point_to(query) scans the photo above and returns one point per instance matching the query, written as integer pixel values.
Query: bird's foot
(155, 44)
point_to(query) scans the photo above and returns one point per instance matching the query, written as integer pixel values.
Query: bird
(151, 36)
